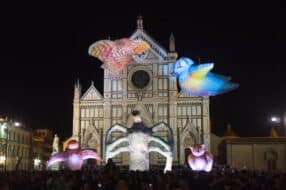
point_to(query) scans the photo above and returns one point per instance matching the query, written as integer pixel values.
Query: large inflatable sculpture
(73, 156)
(116, 55)
(199, 159)
(138, 139)
(197, 80)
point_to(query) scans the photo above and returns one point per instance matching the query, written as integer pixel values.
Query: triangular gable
(156, 49)
(151, 56)
(92, 94)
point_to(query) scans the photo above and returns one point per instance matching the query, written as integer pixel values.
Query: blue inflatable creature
(197, 80)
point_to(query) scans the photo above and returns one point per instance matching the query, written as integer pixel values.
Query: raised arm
(166, 127)
(161, 142)
(110, 147)
(116, 127)
(168, 155)
(111, 154)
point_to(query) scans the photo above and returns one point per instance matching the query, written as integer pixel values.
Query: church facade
(145, 85)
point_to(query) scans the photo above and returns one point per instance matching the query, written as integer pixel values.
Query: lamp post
(2, 137)
(2, 160)
(4, 134)
(37, 163)
(6, 150)
(275, 119)
(279, 121)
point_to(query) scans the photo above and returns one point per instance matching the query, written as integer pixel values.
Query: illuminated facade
(145, 85)
(256, 153)
(15, 145)
(41, 148)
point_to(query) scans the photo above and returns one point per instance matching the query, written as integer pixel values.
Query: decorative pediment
(92, 94)
(151, 56)
(190, 130)
(155, 49)
(91, 138)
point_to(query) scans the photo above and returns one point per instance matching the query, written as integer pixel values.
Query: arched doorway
(188, 139)
(91, 141)
(91, 138)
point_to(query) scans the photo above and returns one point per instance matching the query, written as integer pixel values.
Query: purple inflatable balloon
(73, 156)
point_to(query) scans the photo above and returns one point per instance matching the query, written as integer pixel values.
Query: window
(82, 112)
(162, 86)
(87, 112)
(189, 112)
(98, 111)
(116, 114)
(163, 69)
(91, 112)
(163, 113)
(199, 110)
(194, 110)
(116, 88)
(82, 124)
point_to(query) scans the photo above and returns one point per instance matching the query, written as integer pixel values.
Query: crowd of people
(112, 177)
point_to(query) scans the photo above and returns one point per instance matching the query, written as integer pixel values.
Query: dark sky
(44, 51)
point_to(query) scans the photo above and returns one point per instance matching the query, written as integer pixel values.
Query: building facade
(15, 145)
(257, 153)
(41, 148)
(145, 85)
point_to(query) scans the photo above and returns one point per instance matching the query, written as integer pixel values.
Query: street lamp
(4, 135)
(280, 123)
(2, 160)
(37, 163)
(5, 126)
(17, 124)
(275, 119)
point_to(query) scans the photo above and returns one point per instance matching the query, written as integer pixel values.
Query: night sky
(44, 51)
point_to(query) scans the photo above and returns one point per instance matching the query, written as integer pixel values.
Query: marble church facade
(148, 86)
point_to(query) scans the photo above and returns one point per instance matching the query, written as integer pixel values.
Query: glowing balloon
(116, 55)
(73, 157)
(199, 81)
(139, 142)
(200, 159)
